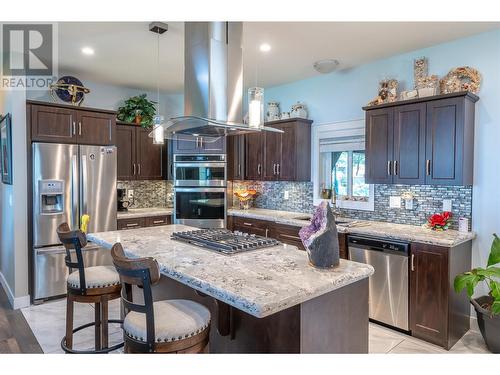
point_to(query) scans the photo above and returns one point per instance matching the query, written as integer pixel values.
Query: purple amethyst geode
(320, 238)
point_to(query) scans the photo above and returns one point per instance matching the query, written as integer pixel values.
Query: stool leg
(69, 321)
(97, 326)
(104, 317)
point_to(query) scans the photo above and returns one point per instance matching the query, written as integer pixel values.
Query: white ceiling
(125, 53)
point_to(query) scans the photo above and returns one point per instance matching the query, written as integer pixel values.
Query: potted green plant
(487, 307)
(139, 110)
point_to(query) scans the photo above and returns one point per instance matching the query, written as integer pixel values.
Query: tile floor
(47, 322)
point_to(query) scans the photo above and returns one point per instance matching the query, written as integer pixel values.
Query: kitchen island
(262, 301)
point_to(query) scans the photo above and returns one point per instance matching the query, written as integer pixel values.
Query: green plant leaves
(494, 257)
(495, 307)
(138, 106)
(467, 280)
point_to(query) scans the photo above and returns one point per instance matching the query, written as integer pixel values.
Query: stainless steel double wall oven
(200, 190)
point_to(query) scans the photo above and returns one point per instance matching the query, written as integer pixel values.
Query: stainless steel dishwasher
(388, 295)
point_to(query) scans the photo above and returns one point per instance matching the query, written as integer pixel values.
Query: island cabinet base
(336, 322)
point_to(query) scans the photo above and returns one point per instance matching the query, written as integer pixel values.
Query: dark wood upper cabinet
(272, 155)
(437, 313)
(253, 156)
(450, 141)
(53, 124)
(235, 157)
(283, 156)
(125, 149)
(150, 157)
(137, 157)
(379, 146)
(421, 141)
(96, 128)
(61, 123)
(409, 144)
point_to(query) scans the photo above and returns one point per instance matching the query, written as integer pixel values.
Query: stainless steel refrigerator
(69, 181)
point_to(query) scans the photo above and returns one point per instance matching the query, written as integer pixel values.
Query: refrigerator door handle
(74, 191)
(84, 184)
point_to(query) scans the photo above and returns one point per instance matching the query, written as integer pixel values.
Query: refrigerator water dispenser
(51, 197)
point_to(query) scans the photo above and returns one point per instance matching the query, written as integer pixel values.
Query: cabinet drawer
(288, 234)
(251, 226)
(130, 223)
(154, 221)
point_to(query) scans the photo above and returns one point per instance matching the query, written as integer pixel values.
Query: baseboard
(15, 302)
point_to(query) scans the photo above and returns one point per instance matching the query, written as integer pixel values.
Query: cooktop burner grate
(224, 241)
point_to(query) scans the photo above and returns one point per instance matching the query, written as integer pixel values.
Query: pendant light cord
(158, 74)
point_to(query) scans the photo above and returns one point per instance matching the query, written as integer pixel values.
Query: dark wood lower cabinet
(288, 234)
(438, 314)
(142, 222)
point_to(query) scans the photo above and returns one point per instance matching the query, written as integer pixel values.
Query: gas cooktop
(224, 241)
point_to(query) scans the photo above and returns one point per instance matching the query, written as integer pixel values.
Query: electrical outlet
(286, 195)
(447, 205)
(395, 202)
(130, 193)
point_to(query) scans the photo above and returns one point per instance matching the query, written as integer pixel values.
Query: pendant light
(256, 99)
(158, 130)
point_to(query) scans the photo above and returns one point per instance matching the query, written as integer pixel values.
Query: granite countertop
(143, 212)
(412, 233)
(260, 282)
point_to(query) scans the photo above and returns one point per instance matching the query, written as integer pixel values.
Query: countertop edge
(237, 301)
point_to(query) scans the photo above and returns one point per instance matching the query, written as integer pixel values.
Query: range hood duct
(213, 83)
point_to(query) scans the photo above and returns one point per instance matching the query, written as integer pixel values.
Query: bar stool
(96, 285)
(170, 326)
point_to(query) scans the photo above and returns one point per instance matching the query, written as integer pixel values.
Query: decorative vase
(320, 238)
(138, 119)
(245, 205)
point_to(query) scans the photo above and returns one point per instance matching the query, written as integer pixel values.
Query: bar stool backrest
(74, 240)
(141, 272)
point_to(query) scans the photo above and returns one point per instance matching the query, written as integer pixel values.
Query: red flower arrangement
(439, 222)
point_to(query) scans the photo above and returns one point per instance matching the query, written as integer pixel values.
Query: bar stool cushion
(95, 277)
(175, 319)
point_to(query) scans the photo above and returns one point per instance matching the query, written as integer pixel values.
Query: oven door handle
(199, 190)
(204, 165)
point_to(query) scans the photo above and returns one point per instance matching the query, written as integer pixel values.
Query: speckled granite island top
(404, 232)
(260, 282)
(144, 212)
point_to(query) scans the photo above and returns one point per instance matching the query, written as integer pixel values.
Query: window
(348, 175)
(339, 157)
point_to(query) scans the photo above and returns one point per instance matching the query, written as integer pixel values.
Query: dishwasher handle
(379, 244)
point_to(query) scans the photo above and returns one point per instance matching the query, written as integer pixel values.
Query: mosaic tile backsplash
(152, 193)
(427, 201)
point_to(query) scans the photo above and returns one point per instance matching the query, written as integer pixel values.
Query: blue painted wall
(339, 96)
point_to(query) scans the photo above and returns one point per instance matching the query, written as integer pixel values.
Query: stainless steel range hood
(213, 83)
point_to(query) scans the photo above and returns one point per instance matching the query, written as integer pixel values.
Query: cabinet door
(133, 223)
(250, 226)
(287, 159)
(379, 146)
(149, 157)
(235, 157)
(253, 156)
(429, 293)
(272, 155)
(213, 147)
(444, 141)
(125, 152)
(154, 221)
(409, 144)
(51, 124)
(96, 128)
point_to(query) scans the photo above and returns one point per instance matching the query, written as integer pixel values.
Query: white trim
(324, 130)
(15, 302)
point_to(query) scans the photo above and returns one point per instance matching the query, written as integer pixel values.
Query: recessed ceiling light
(88, 51)
(264, 47)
